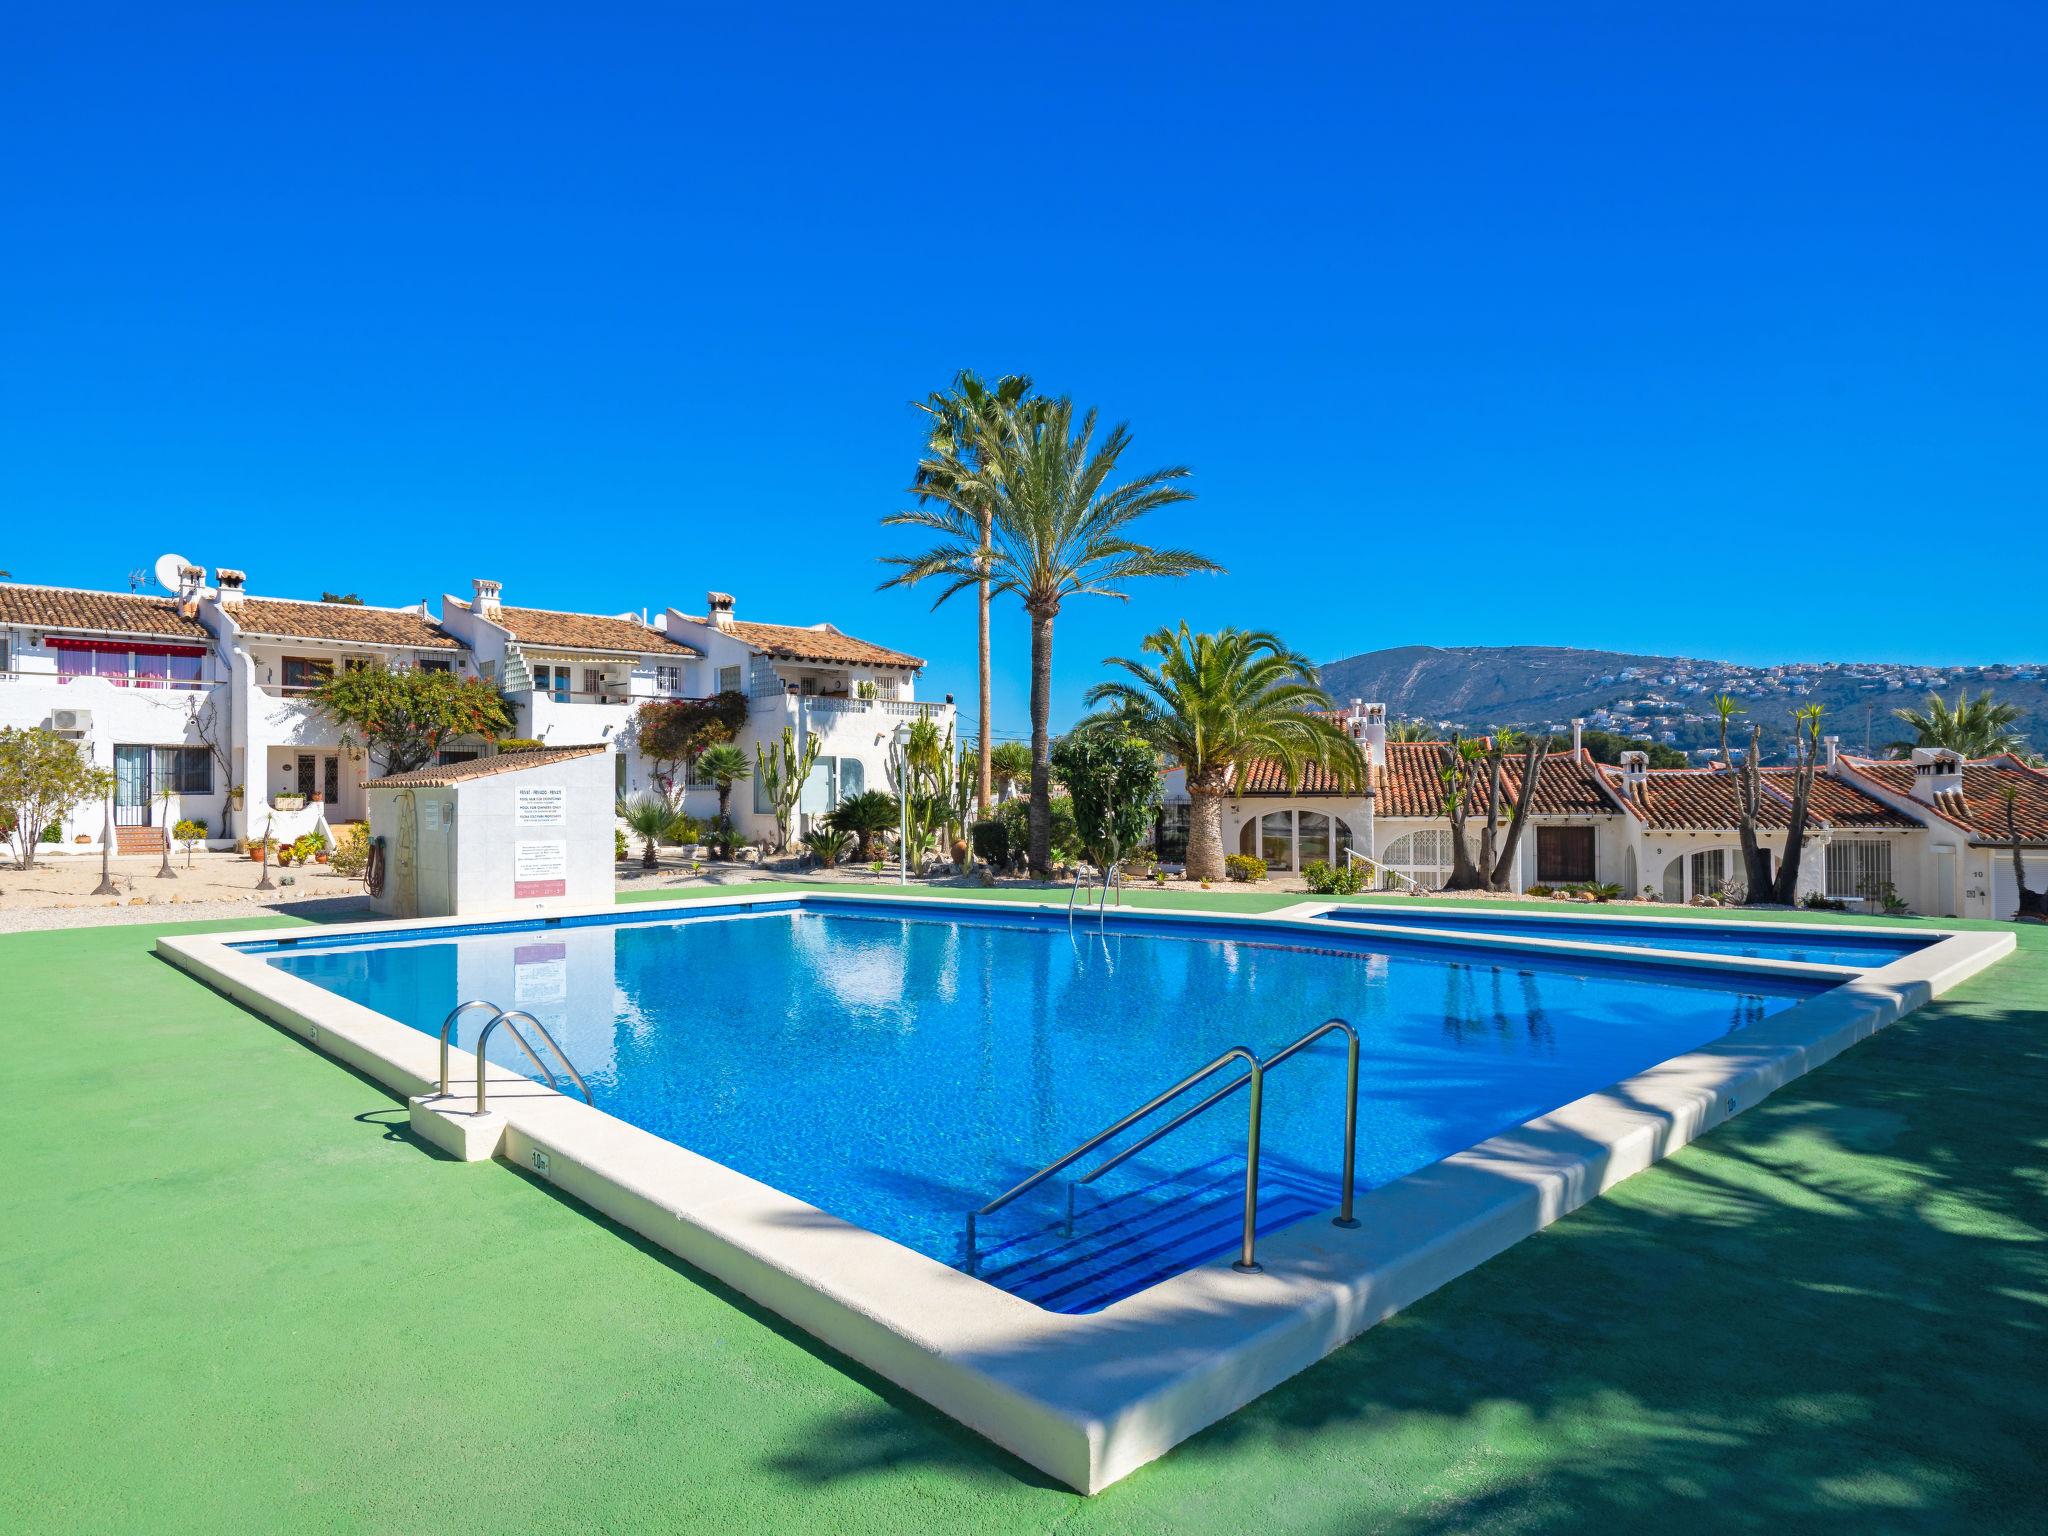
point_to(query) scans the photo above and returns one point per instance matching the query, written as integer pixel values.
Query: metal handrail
(1379, 869)
(506, 1017)
(555, 1046)
(1344, 1217)
(1235, 1053)
(1255, 1075)
(448, 1024)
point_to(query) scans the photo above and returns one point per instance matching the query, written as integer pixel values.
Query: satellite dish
(167, 569)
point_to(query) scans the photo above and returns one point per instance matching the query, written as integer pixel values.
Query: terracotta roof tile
(1980, 809)
(106, 613)
(549, 627)
(340, 621)
(793, 642)
(1410, 784)
(1704, 800)
(436, 776)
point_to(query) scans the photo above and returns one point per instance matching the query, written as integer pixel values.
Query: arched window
(1699, 874)
(1424, 857)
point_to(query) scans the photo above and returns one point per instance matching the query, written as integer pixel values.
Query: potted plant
(290, 800)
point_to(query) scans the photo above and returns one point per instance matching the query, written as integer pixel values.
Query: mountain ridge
(1662, 697)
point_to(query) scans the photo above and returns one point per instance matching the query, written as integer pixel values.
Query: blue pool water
(897, 1068)
(1701, 937)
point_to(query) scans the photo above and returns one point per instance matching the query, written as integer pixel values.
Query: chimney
(718, 605)
(1833, 744)
(189, 577)
(1578, 737)
(230, 584)
(1937, 773)
(487, 597)
(1635, 775)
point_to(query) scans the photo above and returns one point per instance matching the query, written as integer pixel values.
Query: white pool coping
(1090, 1398)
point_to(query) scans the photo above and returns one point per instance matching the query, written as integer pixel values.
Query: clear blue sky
(1593, 325)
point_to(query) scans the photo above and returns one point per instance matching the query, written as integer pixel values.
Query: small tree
(402, 717)
(1805, 764)
(191, 832)
(42, 776)
(649, 818)
(1474, 775)
(670, 732)
(208, 723)
(724, 765)
(1112, 777)
(784, 776)
(1009, 768)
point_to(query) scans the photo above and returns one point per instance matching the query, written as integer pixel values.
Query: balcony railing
(63, 679)
(838, 704)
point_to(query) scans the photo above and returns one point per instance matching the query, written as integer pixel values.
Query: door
(309, 785)
(131, 787)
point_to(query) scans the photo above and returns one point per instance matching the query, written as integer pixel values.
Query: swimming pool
(1696, 935)
(925, 1050)
(898, 1068)
(1690, 934)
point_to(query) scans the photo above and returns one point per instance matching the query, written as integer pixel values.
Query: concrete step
(138, 839)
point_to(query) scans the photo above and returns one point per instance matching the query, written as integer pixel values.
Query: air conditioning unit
(70, 722)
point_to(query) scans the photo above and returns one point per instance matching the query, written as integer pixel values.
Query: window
(1424, 857)
(6, 649)
(1699, 874)
(552, 681)
(181, 770)
(668, 680)
(436, 664)
(301, 673)
(1564, 855)
(1859, 869)
(728, 679)
(692, 779)
(593, 681)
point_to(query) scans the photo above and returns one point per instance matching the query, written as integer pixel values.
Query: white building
(210, 690)
(1933, 830)
(575, 679)
(135, 679)
(853, 695)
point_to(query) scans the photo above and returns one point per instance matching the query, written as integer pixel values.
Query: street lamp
(902, 805)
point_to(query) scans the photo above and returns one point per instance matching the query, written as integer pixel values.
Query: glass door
(131, 786)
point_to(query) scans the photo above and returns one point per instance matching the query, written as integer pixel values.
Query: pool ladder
(1255, 1075)
(1111, 878)
(508, 1018)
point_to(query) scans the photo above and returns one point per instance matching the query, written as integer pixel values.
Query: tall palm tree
(1217, 704)
(1979, 727)
(1057, 529)
(961, 420)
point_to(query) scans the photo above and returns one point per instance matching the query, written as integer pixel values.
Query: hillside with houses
(1666, 699)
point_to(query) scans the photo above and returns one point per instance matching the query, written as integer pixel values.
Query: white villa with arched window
(1930, 833)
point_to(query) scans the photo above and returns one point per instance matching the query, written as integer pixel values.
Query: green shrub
(53, 833)
(1244, 866)
(190, 830)
(828, 845)
(351, 855)
(519, 744)
(1323, 880)
(1015, 815)
(866, 816)
(1540, 890)
(620, 848)
(992, 843)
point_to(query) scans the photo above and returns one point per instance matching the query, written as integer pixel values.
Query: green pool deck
(236, 1296)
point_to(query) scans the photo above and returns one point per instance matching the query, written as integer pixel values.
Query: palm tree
(648, 818)
(1057, 529)
(972, 413)
(724, 765)
(1409, 730)
(1218, 703)
(1978, 727)
(1009, 767)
